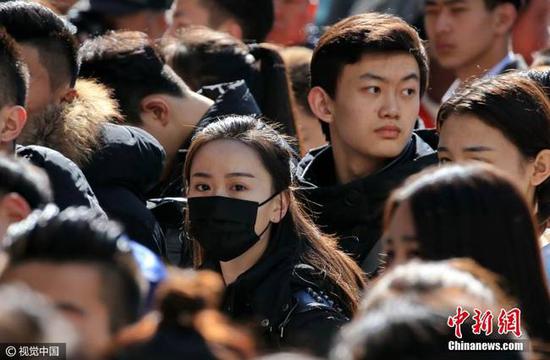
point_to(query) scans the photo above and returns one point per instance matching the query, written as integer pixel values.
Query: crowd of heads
(233, 179)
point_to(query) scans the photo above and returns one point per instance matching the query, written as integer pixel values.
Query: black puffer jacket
(70, 186)
(290, 304)
(121, 173)
(353, 211)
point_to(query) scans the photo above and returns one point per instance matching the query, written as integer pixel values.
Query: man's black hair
(35, 25)
(255, 17)
(30, 182)
(128, 62)
(14, 75)
(80, 235)
(518, 4)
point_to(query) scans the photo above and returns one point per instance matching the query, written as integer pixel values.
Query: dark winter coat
(69, 185)
(121, 173)
(353, 211)
(291, 304)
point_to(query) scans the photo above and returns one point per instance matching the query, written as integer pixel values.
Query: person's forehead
(50, 272)
(227, 154)
(391, 64)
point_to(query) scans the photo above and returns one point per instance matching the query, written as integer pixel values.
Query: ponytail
(271, 87)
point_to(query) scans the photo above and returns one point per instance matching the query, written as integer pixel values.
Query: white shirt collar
(495, 70)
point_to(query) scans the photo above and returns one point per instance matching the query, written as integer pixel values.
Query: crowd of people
(275, 179)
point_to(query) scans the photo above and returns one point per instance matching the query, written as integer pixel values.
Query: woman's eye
(444, 160)
(202, 187)
(238, 187)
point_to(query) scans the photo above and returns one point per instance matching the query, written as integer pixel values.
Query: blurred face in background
(399, 240)
(463, 34)
(291, 20)
(76, 290)
(531, 29)
(151, 22)
(188, 12)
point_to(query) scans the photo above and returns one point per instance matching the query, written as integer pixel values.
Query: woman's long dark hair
(202, 56)
(475, 211)
(518, 108)
(315, 248)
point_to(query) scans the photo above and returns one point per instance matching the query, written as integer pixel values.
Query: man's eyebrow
(412, 76)
(410, 238)
(371, 76)
(63, 306)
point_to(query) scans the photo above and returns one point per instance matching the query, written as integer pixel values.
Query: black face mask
(223, 226)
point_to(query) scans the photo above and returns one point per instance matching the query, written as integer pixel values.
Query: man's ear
(321, 104)
(505, 17)
(541, 168)
(14, 207)
(69, 94)
(15, 118)
(155, 109)
(232, 27)
(282, 202)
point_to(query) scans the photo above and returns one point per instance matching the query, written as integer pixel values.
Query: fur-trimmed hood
(74, 129)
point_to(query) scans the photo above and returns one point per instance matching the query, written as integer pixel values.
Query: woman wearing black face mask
(281, 272)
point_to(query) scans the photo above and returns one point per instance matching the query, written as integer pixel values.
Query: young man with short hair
(76, 118)
(244, 19)
(150, 94)
(69, 185)
(154, 98)
(472, 38)
(368, 73)
(84, 265)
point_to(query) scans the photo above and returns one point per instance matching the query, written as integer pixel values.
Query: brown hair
(190, 299)
(297, 60)
(348, 40)
(202, 56)
(315, 248)
(472, 211)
